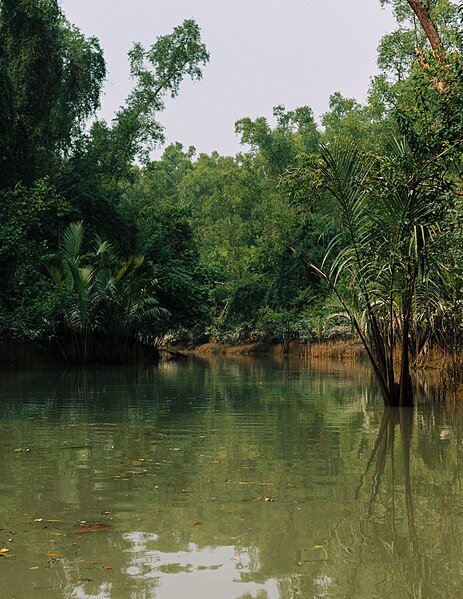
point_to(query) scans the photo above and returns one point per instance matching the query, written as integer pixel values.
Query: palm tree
(380, 257)
(111, 304)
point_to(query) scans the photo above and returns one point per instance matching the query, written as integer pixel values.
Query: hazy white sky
(263, 53)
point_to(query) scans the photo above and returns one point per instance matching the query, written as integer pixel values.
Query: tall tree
(52, 77)
(158, 72)
(102, 163)
(422, 11)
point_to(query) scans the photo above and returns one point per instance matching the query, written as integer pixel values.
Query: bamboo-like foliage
(388, 219)
(111, 304)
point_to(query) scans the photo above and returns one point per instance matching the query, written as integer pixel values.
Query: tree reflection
(391, 502)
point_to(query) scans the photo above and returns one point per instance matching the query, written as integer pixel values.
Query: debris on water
(96, 527)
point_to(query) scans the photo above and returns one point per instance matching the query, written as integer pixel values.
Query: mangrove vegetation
(346, 228)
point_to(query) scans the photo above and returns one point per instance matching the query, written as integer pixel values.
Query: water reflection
(402, 533)
(225, 479)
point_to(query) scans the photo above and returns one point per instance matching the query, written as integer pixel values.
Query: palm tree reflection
(390, 503)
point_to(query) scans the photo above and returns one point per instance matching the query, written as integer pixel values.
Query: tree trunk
(421, 10)
(405, 389)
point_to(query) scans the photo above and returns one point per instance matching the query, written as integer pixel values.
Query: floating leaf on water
(198, 524)
(50, 554)
(4, 550)
(34, 568)
(38, 519)
(106, 568)
(92, 528)
(318, 547)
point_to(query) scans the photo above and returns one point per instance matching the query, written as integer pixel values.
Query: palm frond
(71, 243)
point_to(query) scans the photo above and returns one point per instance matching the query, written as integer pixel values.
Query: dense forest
(313, 232)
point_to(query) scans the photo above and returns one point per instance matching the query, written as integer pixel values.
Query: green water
(225, 479)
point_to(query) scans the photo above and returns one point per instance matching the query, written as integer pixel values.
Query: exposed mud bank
(343, 349)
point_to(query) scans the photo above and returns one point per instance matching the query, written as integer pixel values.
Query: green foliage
(295, 133)
(111, 304)
(157, 72)
(31, 219)
(396, 53)
(52, 76)
(97, 202)
(370, 126)
(389, 210)
(6, 124)
(101, 166)
(430, 112)
(166, 236)
(396, 47)
(171, 245)
(50, 83)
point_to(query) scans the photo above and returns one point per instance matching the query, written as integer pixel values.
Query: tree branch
(421, 10)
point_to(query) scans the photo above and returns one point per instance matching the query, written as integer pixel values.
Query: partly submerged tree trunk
(405, 396)
(380, 349)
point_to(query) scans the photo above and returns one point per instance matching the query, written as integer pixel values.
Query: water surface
(225, 479)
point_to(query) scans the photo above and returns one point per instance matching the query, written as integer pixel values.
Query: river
(214, 478)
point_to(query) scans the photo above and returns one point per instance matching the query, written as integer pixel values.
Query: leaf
(55, 554)
(4, 550)
(92, 528)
